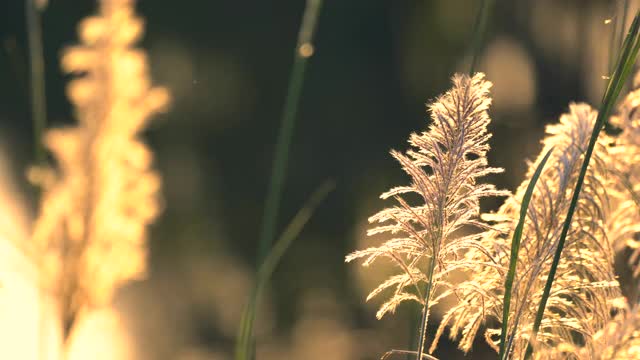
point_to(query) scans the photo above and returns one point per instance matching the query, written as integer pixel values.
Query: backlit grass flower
(93, 219)
(429, 236)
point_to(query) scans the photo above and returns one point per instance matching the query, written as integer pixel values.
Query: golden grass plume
(91, 229)
(430, 238)
(585, 290)
(586, 299)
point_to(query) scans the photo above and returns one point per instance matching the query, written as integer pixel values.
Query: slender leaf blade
(302, 53)
(243, 349)
(515, 247)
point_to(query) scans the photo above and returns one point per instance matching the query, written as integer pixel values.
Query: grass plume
(626, 60)
(444, 167)
(91, 229)
(587, 267)
(625, 169)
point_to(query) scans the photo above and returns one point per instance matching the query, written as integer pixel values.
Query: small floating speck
(305, 50)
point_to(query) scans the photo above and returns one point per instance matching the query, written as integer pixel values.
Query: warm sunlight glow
(100, 335)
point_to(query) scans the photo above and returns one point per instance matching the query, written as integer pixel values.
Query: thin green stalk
(425, 309)
(515, 247)
(479, 30)
(613, 42)
(623, 21)
(414, 328)
(243, 349)
(33, 8)
(624, 66)
(37, 86)
(303, 51)
(617, 39)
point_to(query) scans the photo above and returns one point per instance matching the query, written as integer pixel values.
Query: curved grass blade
(36, 76)
(245, 333)
(625, 12)
(515, 247)
(626, 60)
(479, 31)
(303, 51)
(617, 39)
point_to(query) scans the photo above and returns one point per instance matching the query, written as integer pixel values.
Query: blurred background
(376, 64)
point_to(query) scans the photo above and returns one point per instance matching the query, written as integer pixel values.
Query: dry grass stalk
(445, 165)
(91, 230)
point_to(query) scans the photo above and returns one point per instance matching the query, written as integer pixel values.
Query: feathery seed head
(585, 290)
(444, 164)
(93, 219)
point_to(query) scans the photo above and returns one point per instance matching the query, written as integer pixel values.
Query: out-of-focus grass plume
(90, 234)
(29, 330)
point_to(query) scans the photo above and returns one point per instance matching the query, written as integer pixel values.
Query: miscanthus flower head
(91, 229)
(428, 234)
(585, 292)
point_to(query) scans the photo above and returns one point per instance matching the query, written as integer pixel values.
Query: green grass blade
(303, 51)
(267, 259)
(613, 41)
(245, 333)
(293, 229)
(479, 30)
(36, 77)
(515, 247)
(617, 39)
(625, 12)
(623, 68)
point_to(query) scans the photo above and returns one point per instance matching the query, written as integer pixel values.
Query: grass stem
(425, 310)
(479, 30)
(36, 75)
(304, 50)
(267, 258)
(243, 349)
